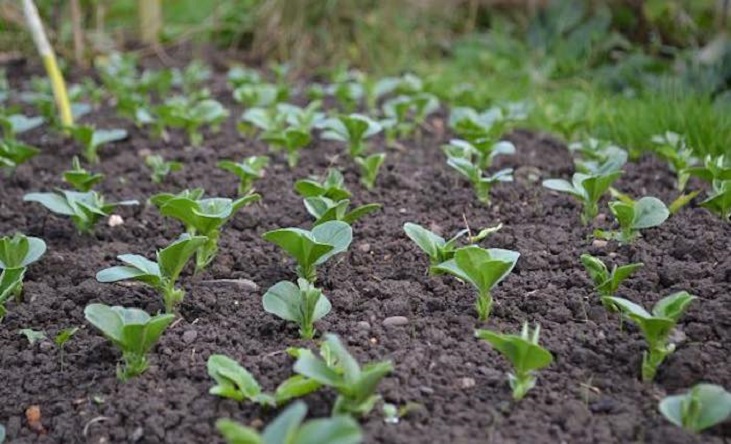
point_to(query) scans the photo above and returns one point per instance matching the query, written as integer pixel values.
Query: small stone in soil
(189, 336)
(394, 321)
(598, 243)
(467, 382)
(426, 390)
(363, 325)
(115, 220)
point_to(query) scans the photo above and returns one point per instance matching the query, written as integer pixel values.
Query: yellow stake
(49, 61)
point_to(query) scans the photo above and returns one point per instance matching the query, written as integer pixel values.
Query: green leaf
(107, 320)
(310, 366)
(523, 354)
(64, 335)
(563, 186)
(233, 381)
(300, 244)
(101, 137)
(335, 430)
(335, 233)
(484, 268)
(32, 336)
(284, 428)
(294, 387)
(649, 212)
(173, 258)
(20, 251)
(235, 433)
(673, 306)
(704, 406)
(429, 242)
(54, 202)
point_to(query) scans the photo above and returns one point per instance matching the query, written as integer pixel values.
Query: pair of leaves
(369, 167)
(235, 382)
(324, 210)
(633, 216)
(483, 268)
(312, 248)
(703, 406)
(248, 170)
(199, 215)
(353, 129)
(586, 188)
(523, 352)
(332, 187)
(338, 369)
(436, 247)
(301, 303)
(20, 251)
(290, 427)
(607, 282)
(81, 179)
(14, 153)
(85, 209)
(92, 138)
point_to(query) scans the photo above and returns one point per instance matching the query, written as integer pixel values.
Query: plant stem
(483, 305)
(49, 62)
(172, 297)
(134, 365)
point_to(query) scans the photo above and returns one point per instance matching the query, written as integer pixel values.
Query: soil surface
(590, 394)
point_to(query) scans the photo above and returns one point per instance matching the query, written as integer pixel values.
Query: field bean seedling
(449, 222)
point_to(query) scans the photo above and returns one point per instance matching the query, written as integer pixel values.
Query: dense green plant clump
(302, 303)
(634, 216)
(587, 188)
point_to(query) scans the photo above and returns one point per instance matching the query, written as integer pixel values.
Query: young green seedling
(302, 303)
(131, 330)
(717, 172)
(436, 247)
(523, 352)
(598, 157)
(235, 382)
(588, 189)
(81, 179)
(634, 216)
(703, 406)
(484, 150)
(265, 120)
(191, 115)
(201, 216)
(470, 169)
(484, 269)
(84, 209)
(292, 140)
(324, 210)
(14, 153)
(312, 248)
(305, 119)
(673, 148)
(33, 336)
(15, 124)
(290, 427)
(62, 338)
(160, 167)
(352, 129)
(248, 171)
(655, 326)
(91, 139)
(338, 369)
(161, 275)
(332, 187)
(607, 282)
(369, 167)
(253, 95)
(18, 252)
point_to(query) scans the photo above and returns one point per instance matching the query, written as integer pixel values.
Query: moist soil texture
(590, 394)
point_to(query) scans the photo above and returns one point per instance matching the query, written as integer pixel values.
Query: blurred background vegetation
(627, 69)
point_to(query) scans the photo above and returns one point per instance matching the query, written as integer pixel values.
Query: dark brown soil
(591, 394)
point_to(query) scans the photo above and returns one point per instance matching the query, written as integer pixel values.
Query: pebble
(677, 336)
(137, 434)
(242, 284)
(467, 382)
(189, 336)
(115, 220)
(426, 390)
(363, 325)
(598, 243)
(393, 321)
(364, 247)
